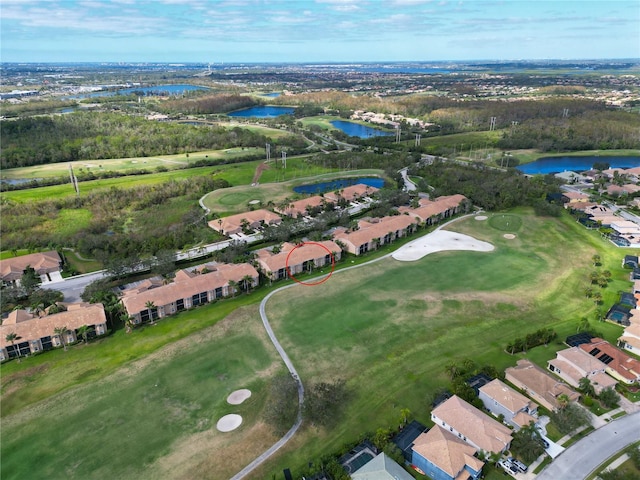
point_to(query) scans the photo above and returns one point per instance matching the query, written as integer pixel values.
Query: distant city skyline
(279, 31)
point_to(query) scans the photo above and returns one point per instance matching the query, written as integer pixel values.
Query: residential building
(573, 363)
(251, 220)
(44, 263)
(432, 211)
(301, 207)
(374, 232)
(570, 198)
(381, 468)
(618, 364)
(500, 399)
(472, 425)
(405, 439)
(351, 193)
(37, 333)
(188, 289)
(441, 455)
(630, 339)
(539, 385)
(292, 259)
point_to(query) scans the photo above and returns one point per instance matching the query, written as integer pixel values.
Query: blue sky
(316, 30)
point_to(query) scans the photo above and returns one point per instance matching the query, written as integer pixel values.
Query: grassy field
(388, 328)
(147, 416)
(126, 164)
(527, 156)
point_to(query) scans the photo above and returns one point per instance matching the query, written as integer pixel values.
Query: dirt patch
(259, 169)
(480, 217)
(509, 236)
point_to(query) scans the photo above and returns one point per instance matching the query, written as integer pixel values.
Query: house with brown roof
(430, 212)
(537, 384)
(36, 333)
(572, 364)
(251, 220)
(351, 193)
(500, 399)
(630, 339)
(471, 425)
(189, 289)
(293, 259)
(618, 364)
(374, 232)
(571, 197)
(441, 455)
(302, 207)
(44, 264)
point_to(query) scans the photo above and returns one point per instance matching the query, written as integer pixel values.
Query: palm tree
(233, 286)
(452, 370)
(61, 332)
(596, 260)
(12, 337)
(152, 309)
(84, 331)
(563, 400)
(247, 281)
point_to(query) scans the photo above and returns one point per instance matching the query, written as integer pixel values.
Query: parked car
(518, 464)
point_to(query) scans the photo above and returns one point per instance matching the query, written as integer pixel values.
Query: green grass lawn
(388, 328)
(143, 412)
(397, 325)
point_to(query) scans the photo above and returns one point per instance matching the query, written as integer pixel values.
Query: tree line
(489, 188)
(93, 136)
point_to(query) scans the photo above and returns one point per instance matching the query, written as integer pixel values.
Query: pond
(337, 184)
(262, 111)
(168, 89)
(357, 130)
(575, 164)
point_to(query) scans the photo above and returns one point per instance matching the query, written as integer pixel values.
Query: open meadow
(388, 328)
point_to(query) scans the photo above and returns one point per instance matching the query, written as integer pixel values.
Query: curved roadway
(287, 361)
(583, 457)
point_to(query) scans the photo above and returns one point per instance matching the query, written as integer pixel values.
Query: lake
(155, 90)
(357, 130)
(575, 164)
(262, 111)
(337, 184)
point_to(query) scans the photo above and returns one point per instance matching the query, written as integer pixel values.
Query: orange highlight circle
(333, 265)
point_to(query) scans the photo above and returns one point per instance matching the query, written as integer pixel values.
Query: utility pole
(492, 124)
(268, 149)
(417, 139)
(74, 181)
(397, 133)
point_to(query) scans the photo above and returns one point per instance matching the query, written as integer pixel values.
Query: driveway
(584, 456)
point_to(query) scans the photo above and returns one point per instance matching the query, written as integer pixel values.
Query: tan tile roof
(354, 192)
(35, 328)
(428, 209)
(581, 360)
(505, 395)
(43, 262)
(300, 206)
(446, 451)
(540, 382)
(368, 231)
(233, 223)
(575, 195)
(309, 251)
(625, 365)
(185, 286)
(489, 434)
(523, 419)
(633, 341)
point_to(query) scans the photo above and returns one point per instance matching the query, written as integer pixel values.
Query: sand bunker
(509, 236)
(480, 217)
(239, 396)
(229, 422)
(439, 241)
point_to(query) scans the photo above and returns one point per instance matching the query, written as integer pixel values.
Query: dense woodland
(489, 188)
(92, 136)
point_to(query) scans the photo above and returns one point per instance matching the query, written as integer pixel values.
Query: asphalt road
(584, 456)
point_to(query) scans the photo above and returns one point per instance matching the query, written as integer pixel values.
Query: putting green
(505, 222)
(235, 198)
